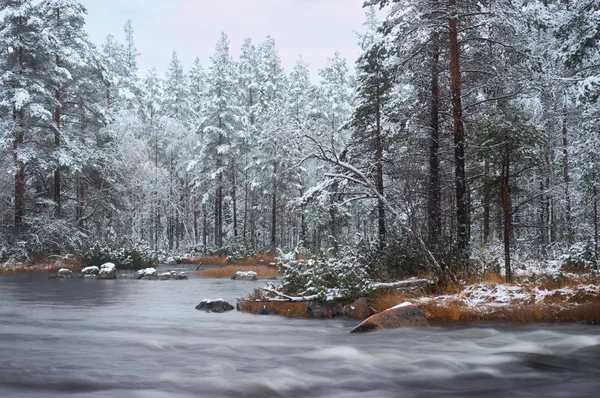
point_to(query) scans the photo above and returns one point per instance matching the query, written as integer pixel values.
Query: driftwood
(286, 298)
(413, 282)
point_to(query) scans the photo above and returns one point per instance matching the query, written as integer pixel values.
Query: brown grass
(260, 259)
(383, 300)
(48, 265)
(230, 270)
(457, 311)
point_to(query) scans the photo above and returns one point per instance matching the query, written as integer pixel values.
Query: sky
(315, 29)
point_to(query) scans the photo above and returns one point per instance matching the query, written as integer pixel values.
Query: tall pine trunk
(234, 196)
(462, 214)
(20, 174)
(566, 178)
(486, 202)
(380, 187)
(219, 195)
(506, 206)
(57, 138)
(274, 207)
(434, 207)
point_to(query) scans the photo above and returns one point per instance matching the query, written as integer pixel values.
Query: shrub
(400, 258)
(129, 256)
(327, 279)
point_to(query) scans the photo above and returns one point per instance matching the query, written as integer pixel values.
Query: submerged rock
(245, 276)
(147, 273)
(327, 309)
(89, 272)
(218, 306)
(62, 273)
(108, 271)
(405, 315)
(173, 275)
(359, 310)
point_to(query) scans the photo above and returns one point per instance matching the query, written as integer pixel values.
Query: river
(129, 338)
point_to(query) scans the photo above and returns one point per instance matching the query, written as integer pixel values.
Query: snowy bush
(46, 235)
(400, 257)
(131, 256)
(327, 279)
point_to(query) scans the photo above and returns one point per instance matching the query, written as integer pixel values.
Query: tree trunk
(204, 228)
(274, 208)
(195, 226)
(80, 201)
(380, 187)
(57, 138)
(486, 202)
(566, 178)
(219, 196)
(506, 207)
(57, 174)
(462, 216)
(595, 192)
(234, 196)
(20, 174)
(434, 211)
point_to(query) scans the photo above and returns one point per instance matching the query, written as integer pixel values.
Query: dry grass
(48, 265)
(387, 299)
(288, 309)
(260, 259)
(230, 270)
(589, 313)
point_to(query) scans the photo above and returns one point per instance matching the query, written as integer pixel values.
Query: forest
(464, 138)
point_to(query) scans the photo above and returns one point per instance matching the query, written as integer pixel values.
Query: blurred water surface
(129, 338)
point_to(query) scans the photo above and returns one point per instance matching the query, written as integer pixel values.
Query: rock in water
(359, 310)
(108, 271)
(218, 306)
(89, 272)
(148, 273)
(328, 309)
(245, 276)
(404, 315)
(173, 275)
(64, 273)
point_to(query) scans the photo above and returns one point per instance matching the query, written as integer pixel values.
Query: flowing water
(129, 338)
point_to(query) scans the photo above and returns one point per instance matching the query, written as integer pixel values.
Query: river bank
(549, 294)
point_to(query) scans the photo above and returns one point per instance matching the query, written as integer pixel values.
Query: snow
(108, 267)
(403, 305)
(90, 269)
(246, 274)
(147, 272)
(500, 295)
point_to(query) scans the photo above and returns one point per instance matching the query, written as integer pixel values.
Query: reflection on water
(128, 338)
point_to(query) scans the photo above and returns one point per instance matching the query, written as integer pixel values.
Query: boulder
(64, 273)
(245, 276)
(328, 309)
(172, 275)
(171, 261)
(405, 315)
(147, 273)
(358, 310)
(89, 272)
(108, 271)
(218, 306)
